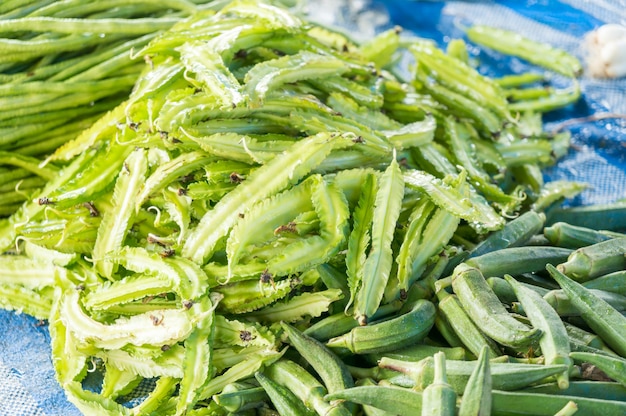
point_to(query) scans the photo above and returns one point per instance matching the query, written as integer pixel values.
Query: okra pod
(438, 397)
(595, 260)
(518, 260)
(577, 334)
(612, 216)
(340, 323)
(370, 410)
(290, 375)
(327, 365)
(614, 367)
(568, 410)
(613, 282)
(607, 390)
(537, 404)
(374, 373)
(282, 398)
(446, 331)
(514, 233)
(502, 289)
(476, 398)
(486, 310)
(562, 304)
(395, 400)
(400, 331)
(571, 236)
(599, 315)
(450, 309)
(578, 346)
(238, 397)
(505, 376)
(554, 341)
(419, 352)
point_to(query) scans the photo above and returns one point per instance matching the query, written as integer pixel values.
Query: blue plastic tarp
(598, 156)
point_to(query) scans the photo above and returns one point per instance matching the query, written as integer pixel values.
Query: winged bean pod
(20, 299)
(359, 238)
(273, 213)
(450, 199)
(378, 264)
(514, 44)
(298, 307)
(117, 382)
(278, 173)
(332, 210)
(115, 224)
(245, 369)
(197, 366)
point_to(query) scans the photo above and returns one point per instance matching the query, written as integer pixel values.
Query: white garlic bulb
(606, 51)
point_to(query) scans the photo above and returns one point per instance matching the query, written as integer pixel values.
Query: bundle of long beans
(62, 65)
(270, 182)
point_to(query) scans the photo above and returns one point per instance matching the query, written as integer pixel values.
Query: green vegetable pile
(63, 64)
(278, 219)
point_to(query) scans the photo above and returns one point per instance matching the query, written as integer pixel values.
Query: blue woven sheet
(27, 384)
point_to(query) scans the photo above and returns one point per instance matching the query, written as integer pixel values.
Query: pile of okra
(279, 220)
